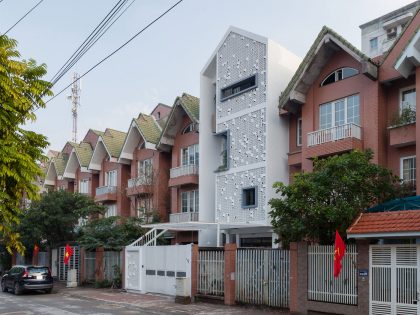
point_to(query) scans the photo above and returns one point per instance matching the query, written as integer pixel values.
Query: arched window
(339, 74)
(189, 128)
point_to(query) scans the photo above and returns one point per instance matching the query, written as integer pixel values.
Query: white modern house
(243, 141)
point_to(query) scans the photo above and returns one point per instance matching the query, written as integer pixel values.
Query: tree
(21, 92)
(331, 197)
(55, 218)
(110, 233)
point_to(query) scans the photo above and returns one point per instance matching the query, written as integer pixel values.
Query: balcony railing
(133, 182)
(184, 170)
(334, 133)
(106, 190)
(183, 217)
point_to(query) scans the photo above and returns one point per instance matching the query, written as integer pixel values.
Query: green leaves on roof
(149, 128)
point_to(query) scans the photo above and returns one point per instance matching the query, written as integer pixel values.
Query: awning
(199, 226)
(403, 223)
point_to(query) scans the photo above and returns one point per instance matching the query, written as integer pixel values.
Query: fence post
(99, 264)
(194, 270)
(230, 268)
(82, 265)
(293, 278)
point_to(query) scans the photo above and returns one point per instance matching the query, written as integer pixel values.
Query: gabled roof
(148, 127)
(84, 153)
(60, 163)
(190, 105)
(316, 58)
(113, 140)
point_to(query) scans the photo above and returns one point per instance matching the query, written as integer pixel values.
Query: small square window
(249, 197)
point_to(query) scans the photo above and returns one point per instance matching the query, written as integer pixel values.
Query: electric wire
(116, 50)
(33, 8)
(87, 43)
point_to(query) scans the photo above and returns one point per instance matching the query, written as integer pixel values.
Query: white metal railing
(334, 133)
(149, 238)
(322, 285)
(184, 170)
(106, 190)
(263, 276)
(133, 182)
(183, 217)
(211, 272)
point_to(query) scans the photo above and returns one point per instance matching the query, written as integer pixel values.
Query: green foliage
(117, 281)
(110, 233)
(21, 91)
(407, 116)
(105, 283)
(54, 218)
(330, 197)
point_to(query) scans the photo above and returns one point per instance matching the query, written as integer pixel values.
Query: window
(189, 201)
(299, 132)
(249, 197)
(189, 155)
(144, 205)
(408, 171)
(190, 128)
(111, 210)
(391, 33)
(144, 168)
(340, 112)
(408, 99)
(238, 88)
(111, 178)
(374, 44)
(339, 75)
(84, 186)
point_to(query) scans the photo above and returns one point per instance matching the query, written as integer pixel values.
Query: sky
(165, 60)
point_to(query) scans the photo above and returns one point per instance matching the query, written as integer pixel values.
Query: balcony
(139, 186)
(401, 136)
(106, 193)
(183, 175)
(334, 140)
(183, 217)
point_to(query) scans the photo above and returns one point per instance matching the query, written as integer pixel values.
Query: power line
(94, 36)
(118, 49)
(33, 8)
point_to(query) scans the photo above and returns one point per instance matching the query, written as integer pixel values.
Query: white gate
(394, 281)
(73, 263)
(155, 268)
(262, 276)
(211, 272)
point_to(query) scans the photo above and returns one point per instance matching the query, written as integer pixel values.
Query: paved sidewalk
(161, 304)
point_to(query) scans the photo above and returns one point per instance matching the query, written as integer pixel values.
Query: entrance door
(73, 263)
(394, 281)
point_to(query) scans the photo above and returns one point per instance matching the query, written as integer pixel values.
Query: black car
(22, 278)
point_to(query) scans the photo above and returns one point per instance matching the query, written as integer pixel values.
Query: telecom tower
(75, 101)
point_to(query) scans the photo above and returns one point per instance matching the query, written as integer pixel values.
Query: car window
(20, 270)
(12, 271)
(34, 270)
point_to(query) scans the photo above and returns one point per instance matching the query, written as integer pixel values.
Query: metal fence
(322, 286)
(262, 276)
(211, 270)
(90, 258)
(110, 260)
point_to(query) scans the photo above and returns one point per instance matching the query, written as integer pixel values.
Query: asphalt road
(57, 304)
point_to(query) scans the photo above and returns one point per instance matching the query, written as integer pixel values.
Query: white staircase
(149, 239)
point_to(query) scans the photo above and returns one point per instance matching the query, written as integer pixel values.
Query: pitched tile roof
(149, 128)
(310, 56)
(84, 153)
(191, 104)
(114, 141)
(60, 163)
(386, 222)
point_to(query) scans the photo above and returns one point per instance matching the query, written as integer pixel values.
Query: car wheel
(16, 289)
(3, 287)
(48, 291)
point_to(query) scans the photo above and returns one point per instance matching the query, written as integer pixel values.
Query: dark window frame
(338, 75)
(243, 202)
(238, 85)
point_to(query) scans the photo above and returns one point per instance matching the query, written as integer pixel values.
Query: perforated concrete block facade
(238, 58)
(229, 196)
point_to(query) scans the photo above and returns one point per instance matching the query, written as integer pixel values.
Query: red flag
(339, 251)
(67, 254)
(36, 250)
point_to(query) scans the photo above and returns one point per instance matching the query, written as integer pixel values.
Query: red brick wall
(91, 137)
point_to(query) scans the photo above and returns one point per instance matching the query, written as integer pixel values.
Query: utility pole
(75, 101)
